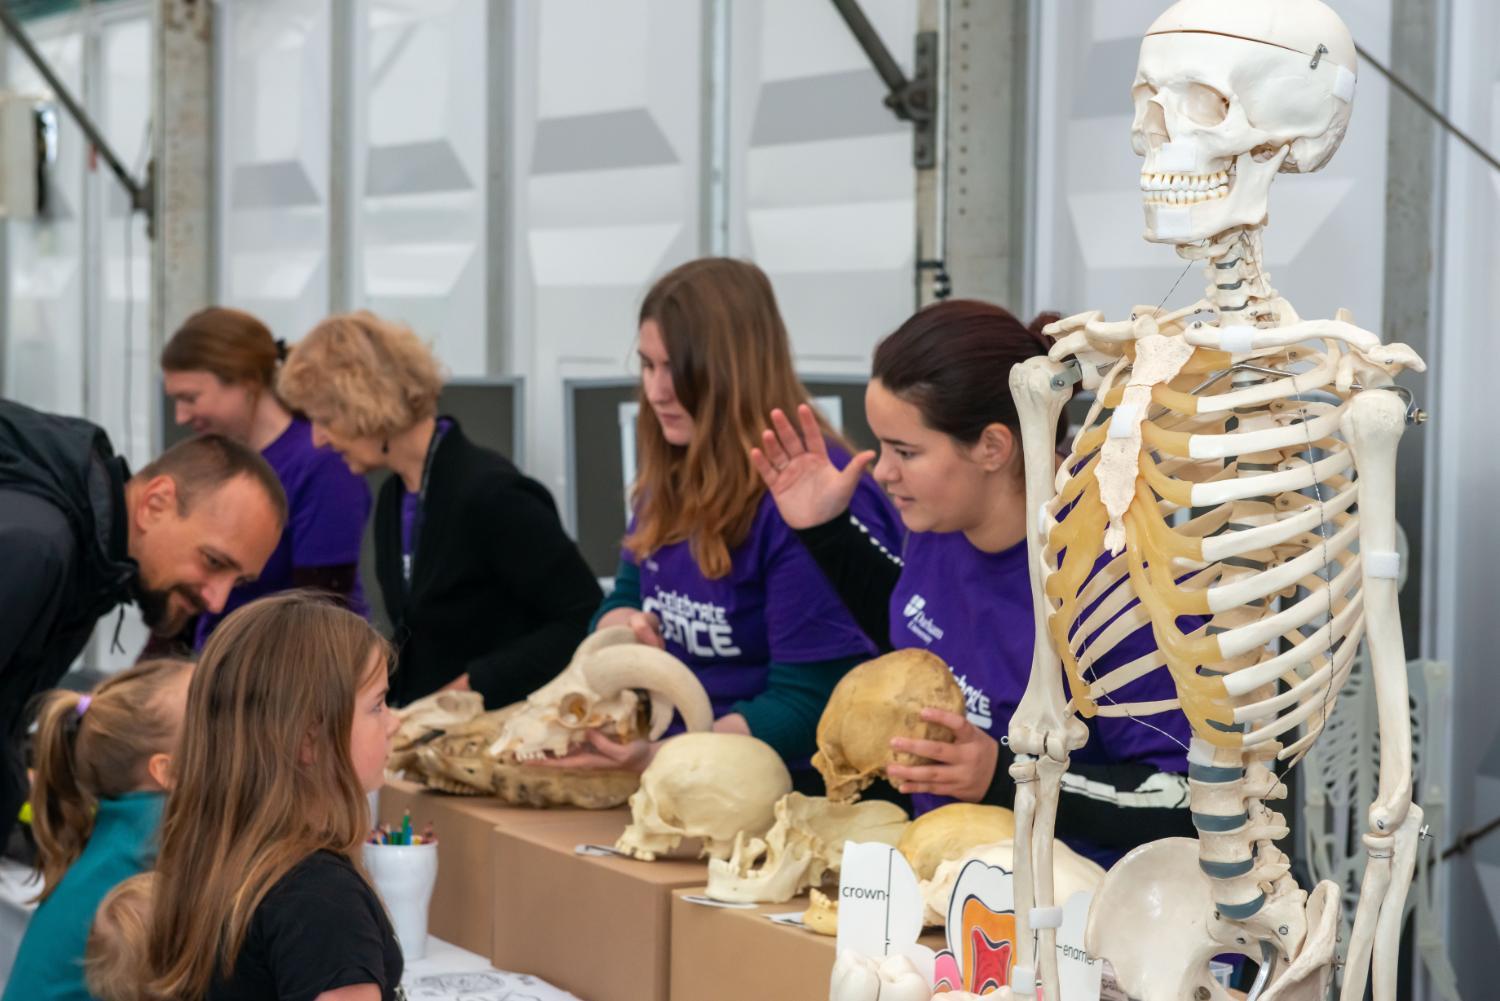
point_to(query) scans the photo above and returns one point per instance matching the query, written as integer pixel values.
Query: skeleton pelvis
(1152, 919)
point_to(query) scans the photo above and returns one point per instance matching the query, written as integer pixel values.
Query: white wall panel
(45, 318)
(274, 161)
(419, 227)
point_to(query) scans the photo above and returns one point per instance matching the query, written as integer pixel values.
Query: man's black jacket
(64, 562)
(498, 590)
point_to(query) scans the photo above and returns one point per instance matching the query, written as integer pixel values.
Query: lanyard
(408, 559)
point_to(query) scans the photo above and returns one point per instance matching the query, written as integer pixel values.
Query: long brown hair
(88, 751)
(263, 779)
(229, 343)
(731, 365)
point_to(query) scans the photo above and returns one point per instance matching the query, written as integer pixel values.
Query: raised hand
(806, 486)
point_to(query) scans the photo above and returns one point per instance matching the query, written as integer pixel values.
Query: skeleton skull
(876, 701)
(950, 832)
(1226, 95)
(806, 843)
(857, 977)
(705, 785)
(1071, 873)
(597, 691)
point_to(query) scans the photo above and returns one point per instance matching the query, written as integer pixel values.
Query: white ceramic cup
(404, 876)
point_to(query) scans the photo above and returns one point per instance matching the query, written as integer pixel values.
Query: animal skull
(1226, 95)
(857, 977)
(1071, 873)
(806, 843)
(705, 785)
(952, 831)
(878, 700)
(597, 691)
(455, 759)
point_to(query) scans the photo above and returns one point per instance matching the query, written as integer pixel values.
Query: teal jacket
(49, 965)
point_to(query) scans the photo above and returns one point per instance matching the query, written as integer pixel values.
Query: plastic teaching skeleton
(1215, 476)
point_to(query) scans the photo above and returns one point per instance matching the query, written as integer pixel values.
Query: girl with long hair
(259, 892)
(950, 458)
(710, 571)
(103, 763)
(219, 369)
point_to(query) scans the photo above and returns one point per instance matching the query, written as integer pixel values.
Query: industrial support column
(182, 254)
(973, 205)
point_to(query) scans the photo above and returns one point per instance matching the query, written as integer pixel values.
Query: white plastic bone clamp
(1046, 917)
(1237, 340)
(1023, 981)
(1124, 421)
(1343, 85)
(1386, 565)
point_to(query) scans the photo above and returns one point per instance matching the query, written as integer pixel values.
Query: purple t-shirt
(326, 510)
(973, 609)
(773, 605)
(411, 505)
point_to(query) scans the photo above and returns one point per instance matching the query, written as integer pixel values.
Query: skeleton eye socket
(1204, 105)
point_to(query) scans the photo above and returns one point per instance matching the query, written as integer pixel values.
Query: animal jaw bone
(878, 700)
(805, 844)
(708, 786)
(597, 691)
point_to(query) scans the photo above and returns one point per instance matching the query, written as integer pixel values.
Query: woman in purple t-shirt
(951, 460)
(219, 370)
(709, 570)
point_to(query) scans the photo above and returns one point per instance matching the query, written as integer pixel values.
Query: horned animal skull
(878, 700)
(710, 786)
(455, 758)
(598, 691)
(1226, 95)
(952, 831)
(806, 843)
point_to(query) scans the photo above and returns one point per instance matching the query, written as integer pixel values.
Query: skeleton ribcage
(1242, 515)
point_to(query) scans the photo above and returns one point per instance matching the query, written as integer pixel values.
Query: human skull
(1226, 95)
(710, 786)
(805, 844)
(878, 700)
(950, 832)
(857, 977)
(1071, 873)
(597, 691)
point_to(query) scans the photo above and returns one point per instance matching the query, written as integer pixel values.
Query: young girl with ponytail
(103, 763)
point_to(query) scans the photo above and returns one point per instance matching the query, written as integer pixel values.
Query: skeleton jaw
(1189, 208)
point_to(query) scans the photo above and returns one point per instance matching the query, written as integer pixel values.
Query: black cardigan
(498, 589)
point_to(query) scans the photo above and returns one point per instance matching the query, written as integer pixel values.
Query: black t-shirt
(321, 927)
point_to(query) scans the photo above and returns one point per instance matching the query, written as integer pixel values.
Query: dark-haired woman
(950, 459)
(219, 370)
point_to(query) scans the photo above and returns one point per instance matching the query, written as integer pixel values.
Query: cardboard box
(599, 928)
(719, 954)
(462, 910)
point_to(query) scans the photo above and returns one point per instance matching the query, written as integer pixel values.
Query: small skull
(709, 786)
(1228, 94)
(806, 843)
(1071, 873)
(878, 700)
